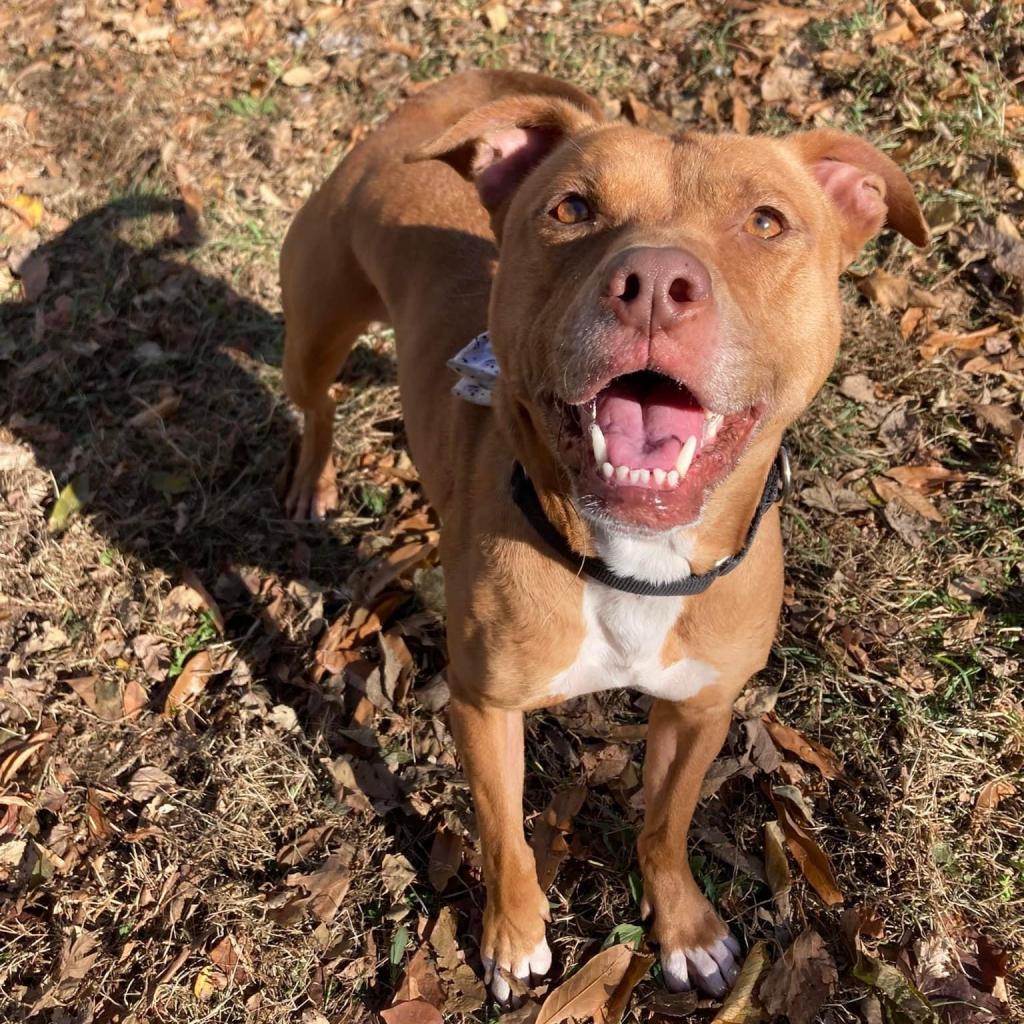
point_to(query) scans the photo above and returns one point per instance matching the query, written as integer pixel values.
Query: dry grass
(901, 652)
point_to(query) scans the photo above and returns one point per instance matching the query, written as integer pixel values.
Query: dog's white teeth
(597, 440)
(641, 477)
(712, 426)
(686, 456)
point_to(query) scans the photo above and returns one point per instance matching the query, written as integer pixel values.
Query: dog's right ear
(497, 146)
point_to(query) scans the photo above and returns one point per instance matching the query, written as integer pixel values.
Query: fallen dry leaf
(225, 956)
(77, 958)
(892, 490)
(396, 874)
(397, 668)
(993, 963)
(549, 845)
(414, 1011)
(1000, 417)
(399, 561)
(180, 605)
(776, 866)
(612, 1012)
(606, 764)
(442, 938)
(989, 797)
(298, 77)
(673, 1004)
(812, 860)
(190, 683)
(190, 217)
(589, 989)
(206, 600)
(1007, 252)
(34, 274)
(208, 982)
(898, 32)
(148, 781)
(810, 751)
(801, 981)
(1005, 422)
(69, 503)
(888, 292)
(158, 412)
(939, 341)
(910, 320)
(28, 208)
(497, 17)
(722, 848)
(833, 498)
(325, 889)
(134, 697)
(304, 845)
(15, 754)
(622, 29)
(761, 750)
(742, 1005)
(783, 82)
(902, 999)
(420, 982)
(918, 22)
(155, 653)
(928, 479)
(95, 817)
(103, 695)
(740, 115)
(859, 388)
(445, 858)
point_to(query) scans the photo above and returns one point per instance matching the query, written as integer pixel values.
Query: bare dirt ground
(227, 791)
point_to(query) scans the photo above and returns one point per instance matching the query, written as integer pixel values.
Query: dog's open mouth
(650, 451)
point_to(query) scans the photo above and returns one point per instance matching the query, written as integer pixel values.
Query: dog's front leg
(696, 947)
(490, 745)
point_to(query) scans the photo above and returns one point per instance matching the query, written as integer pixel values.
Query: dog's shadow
(150, 387)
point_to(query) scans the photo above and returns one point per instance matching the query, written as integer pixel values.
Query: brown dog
(661, 310)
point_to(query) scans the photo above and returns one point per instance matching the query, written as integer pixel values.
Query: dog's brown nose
(651, 289)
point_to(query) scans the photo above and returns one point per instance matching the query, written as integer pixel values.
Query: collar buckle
(782, 460)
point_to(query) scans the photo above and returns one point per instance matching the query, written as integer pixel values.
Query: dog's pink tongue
(646, 424)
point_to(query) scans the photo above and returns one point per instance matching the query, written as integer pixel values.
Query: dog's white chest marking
(626, 633)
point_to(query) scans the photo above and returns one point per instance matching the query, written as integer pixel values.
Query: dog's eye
(764, 223)
(572, 210)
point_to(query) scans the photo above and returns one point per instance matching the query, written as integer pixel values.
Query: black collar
(776, 488)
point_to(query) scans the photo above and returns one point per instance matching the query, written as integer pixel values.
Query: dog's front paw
(514, 943)
(697, 949)
(712, 968)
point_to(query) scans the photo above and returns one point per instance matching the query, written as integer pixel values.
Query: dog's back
(403, 242)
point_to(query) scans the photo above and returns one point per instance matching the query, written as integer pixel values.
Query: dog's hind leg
(328, 301)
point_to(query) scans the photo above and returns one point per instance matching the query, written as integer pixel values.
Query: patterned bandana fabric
(478, 371)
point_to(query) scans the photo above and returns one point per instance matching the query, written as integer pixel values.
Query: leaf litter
(324, 724)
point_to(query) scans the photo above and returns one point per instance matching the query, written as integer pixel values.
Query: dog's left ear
(496, 146)
(867, 189)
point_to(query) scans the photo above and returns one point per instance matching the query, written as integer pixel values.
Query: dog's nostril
(631, 289)
(681, 290)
